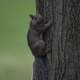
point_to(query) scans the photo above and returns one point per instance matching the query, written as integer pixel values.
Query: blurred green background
(15, 56)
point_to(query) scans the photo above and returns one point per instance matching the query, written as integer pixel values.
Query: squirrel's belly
(34, 38)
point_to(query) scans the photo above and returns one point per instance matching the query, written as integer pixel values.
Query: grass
(15, 67)
(15, 57)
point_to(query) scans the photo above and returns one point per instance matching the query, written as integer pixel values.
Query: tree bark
(63, 38)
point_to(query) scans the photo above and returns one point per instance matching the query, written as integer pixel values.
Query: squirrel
(38, 46)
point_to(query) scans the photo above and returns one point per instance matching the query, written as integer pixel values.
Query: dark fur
(38, 46)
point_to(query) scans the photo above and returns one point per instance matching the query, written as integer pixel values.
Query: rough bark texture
(63, 39)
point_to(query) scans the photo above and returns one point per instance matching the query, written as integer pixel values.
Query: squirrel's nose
(31, 16)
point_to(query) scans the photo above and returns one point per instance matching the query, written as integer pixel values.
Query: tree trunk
(63, 38)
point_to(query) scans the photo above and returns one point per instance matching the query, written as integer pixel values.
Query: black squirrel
(38, 46)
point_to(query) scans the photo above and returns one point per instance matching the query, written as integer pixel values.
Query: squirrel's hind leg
(39, 48)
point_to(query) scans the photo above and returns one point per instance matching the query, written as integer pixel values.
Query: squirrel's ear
(31, 16)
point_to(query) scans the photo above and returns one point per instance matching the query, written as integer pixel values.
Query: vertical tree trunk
(63, 39)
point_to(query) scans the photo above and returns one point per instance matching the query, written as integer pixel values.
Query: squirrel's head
(36, 19)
